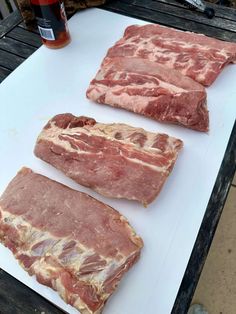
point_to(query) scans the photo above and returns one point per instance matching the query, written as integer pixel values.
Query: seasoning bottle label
(51, 20)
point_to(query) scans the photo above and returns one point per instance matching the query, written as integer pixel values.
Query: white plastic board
(54, 81)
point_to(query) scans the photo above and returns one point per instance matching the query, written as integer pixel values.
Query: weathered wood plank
(35, 30)
(3, 74)
(10, 22)
(208, 228)
(9, 60)
(16, 47)
(168, 20)
(220, 11)
(16, 298)
(188, 14)
(25, 36)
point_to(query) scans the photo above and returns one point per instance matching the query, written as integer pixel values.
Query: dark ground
(227, 3)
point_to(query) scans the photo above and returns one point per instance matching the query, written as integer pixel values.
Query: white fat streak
(33, 235)
(44, 269)
(36, 235)
(172, 56)
(184, 45)
(150, 85)
(135, 103)
(109, 131)
(51, 134)
(40, 266)
(172, 59)
(163, 169)
(26, 229)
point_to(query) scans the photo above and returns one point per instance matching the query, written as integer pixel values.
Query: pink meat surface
(73, 243)
(150, 89)
(115, 160)
(200, 57)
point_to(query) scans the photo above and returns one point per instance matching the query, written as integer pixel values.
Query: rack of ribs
(116, 160)
(70, 241)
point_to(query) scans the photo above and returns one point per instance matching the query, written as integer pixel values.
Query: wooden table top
(17, 44)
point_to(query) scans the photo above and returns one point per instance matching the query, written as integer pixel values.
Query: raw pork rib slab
(200, 57)
(115, 160)
(150, 89)
(73, 243)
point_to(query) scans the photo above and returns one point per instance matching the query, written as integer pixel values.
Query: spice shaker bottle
(52, 22)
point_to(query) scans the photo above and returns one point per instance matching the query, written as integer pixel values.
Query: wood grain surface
(177, 16)
(16, 298)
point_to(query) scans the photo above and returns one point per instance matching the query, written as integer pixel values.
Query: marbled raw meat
(70, 241)
(150, 89)
(116, 160)
(195, 55)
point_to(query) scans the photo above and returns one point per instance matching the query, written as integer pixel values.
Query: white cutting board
(54, 81)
